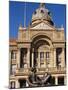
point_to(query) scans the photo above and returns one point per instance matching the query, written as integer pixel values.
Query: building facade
(37, 56)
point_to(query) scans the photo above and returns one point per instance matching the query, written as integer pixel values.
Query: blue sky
(16, 15)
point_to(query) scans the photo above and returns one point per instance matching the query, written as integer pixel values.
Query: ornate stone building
(37, 56)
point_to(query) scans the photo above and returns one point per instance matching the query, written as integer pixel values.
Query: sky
(16, 15)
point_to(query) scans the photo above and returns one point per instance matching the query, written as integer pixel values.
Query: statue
(42, 4)
(34, 80)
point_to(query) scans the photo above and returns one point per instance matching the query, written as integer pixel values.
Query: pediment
(42, 26)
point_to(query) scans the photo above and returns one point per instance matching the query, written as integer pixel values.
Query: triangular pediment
(42, 25)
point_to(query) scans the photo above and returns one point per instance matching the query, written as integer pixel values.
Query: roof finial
(42, 4)
(20, 26)
(62, 26)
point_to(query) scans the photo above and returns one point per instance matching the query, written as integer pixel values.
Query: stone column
(14, 55)
(63, 58)
(10, 61)
(54, 57)
(27, 85)
(65, 80)
(28, 57)
(32, 57)
(44, 59)
(51, 58)
(18, 58)
(17, 85)
(10, 55)
(56, 80)
(39, 59)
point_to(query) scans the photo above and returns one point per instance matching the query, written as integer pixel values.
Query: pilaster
(54, 57)
(39, 59)
(17, 84)
(18, 58)
(28, 57)
(63, 58)
(65, 80)
(32, 57)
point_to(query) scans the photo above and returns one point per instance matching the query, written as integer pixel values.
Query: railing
(22, 71)
(52, 69)
(13, 61)
(39, 70)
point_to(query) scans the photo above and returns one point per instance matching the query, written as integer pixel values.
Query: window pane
(41, 55)
(47, 54)
(12, 55)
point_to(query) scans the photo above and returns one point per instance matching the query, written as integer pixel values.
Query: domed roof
(42, 13)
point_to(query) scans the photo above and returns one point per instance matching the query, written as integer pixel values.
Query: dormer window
(42, 11)
(35, 12)
(48, 13)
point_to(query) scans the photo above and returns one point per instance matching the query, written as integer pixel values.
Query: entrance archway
(40, 47)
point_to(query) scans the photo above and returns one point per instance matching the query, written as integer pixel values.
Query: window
(42, 57)
(47, 55)
(49, 13)
(12, 85)
(13, 55)
(42, 11)
(59, 60)
(24, 58)
(35, 12)
(13, 69)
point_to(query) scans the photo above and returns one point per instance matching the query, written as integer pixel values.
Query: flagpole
(25, 15)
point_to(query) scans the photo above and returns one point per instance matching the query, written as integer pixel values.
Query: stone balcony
(22, 71)
(13, 61)
(53, 70)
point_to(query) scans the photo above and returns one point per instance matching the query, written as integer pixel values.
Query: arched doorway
(40, 47)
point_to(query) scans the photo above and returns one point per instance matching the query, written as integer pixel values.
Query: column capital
(51, 49)
(63, 48)
(28, 48)
(54, 48)
(32, 49)
(18, 49)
